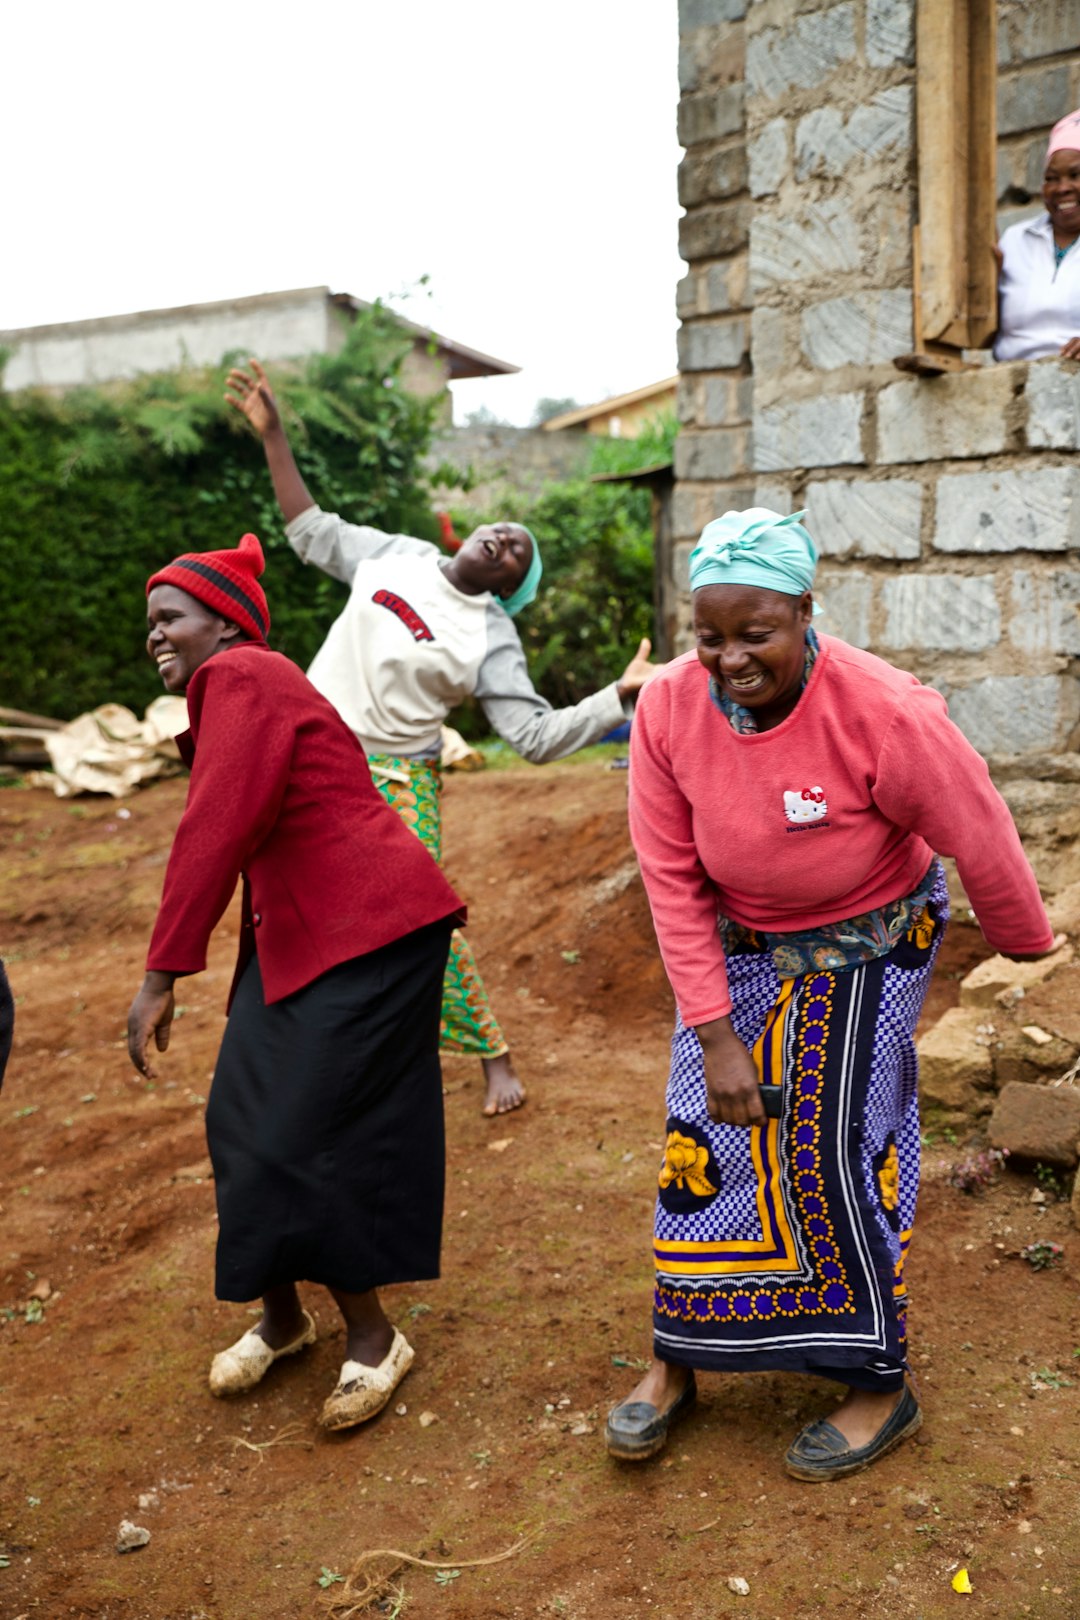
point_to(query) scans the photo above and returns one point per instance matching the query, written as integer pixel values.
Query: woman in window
(1039, 277)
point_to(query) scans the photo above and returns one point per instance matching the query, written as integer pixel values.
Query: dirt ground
(535, 1329)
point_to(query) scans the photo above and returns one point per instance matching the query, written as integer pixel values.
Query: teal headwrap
(529, 586)
(755, 547)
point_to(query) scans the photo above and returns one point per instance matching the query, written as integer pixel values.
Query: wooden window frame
(954, 280)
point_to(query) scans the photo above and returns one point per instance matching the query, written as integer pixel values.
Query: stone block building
(947, 506)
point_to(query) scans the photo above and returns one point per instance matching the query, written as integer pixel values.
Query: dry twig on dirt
(284, 1437)
(364, 1586)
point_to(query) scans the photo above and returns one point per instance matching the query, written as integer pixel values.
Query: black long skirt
(325, 1126)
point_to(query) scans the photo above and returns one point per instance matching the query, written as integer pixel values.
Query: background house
(622, 415)
(275, 326)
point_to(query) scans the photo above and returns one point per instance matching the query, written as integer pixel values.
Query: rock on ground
(1038, 1124)
(985, 983)
(130, 1536)
(955, 1064)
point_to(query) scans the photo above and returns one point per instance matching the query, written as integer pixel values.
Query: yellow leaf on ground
(961, 1581)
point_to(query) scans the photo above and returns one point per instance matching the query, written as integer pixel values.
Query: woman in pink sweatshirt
(787, 796)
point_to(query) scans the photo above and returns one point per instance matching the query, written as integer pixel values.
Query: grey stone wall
(947, 509)
(485, 467)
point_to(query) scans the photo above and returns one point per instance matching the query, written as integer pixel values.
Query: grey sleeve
(521, 716)
(337, 547)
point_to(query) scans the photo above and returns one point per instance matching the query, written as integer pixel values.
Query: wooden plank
(982, 172)
(19, 717)
(957, 130)
(932, 360)
(943, 152)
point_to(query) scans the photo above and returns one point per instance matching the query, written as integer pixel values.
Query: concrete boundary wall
(948, 508)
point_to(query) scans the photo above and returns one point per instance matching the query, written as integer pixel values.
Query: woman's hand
(1071, 350)
(1036, 956)
(254, 398)
(732, 1086)
(638, 671)
(151, 1014)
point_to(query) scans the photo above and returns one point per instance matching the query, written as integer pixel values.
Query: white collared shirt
(1039, 300)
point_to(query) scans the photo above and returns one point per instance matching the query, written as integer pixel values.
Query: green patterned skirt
(413, 787)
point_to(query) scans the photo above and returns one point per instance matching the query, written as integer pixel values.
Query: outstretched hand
(151, 1013)
(253, 397)
(1071, 350)
(638, 671)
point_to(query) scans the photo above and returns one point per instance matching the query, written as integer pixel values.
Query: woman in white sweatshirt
(419, 633)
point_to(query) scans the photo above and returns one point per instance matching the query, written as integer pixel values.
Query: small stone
(149, 1499)
(195, 1173)
(1034, 1033)
(1038, 1196)
(1015, 1428)
(583, 1428)
(1024, 1527)
(501, 1145)
(401, 1409)
(427, 1419)
(130, 1536)
(737, 1585)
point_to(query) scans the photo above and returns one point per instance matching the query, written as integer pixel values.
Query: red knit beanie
(226, 581)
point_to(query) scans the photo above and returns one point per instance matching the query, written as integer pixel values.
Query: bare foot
(661, 1386)
(861, 1415)
(504, 1091)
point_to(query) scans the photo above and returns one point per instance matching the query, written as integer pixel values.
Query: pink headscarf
(1065, 135)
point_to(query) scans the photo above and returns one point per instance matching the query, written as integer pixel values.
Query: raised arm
(320, 538)
(250, 394)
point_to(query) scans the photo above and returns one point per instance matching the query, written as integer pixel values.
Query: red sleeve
(244, 745)
(681, 894)
(931, 781)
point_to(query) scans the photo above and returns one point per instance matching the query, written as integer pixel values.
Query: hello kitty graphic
(805, 805)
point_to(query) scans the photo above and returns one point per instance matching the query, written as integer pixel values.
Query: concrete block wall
(947, 509)
(712, 453)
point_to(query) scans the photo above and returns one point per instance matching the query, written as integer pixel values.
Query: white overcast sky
(521, 156)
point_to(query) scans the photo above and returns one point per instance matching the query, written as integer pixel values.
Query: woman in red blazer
(325, 1119)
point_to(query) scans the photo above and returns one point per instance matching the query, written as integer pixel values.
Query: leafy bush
(652, 447)
(103, 486)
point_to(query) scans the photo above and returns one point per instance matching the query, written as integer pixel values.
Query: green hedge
(102, 487)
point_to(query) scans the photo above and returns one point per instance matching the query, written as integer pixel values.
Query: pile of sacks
(110, 750)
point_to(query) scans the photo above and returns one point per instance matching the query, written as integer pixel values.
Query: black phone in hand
(771, 1097)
